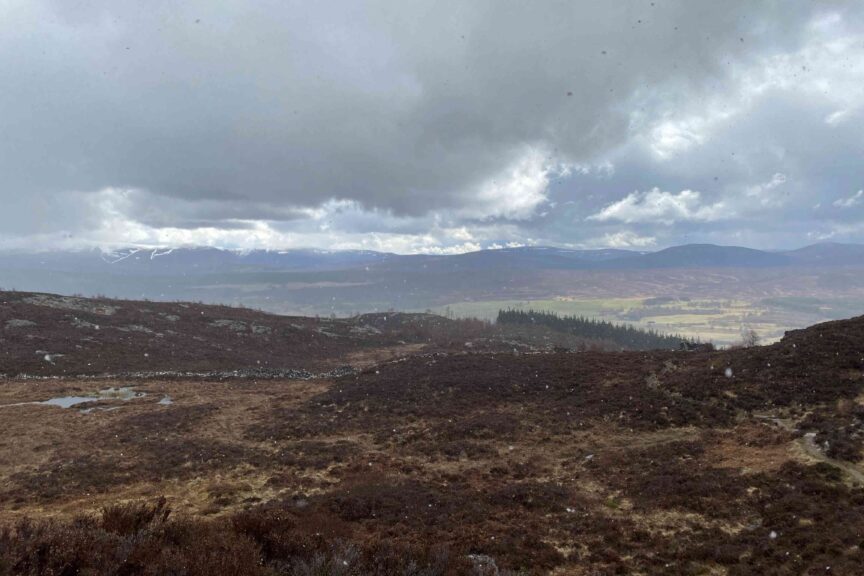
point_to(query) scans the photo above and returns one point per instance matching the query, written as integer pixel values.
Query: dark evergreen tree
(625, 335)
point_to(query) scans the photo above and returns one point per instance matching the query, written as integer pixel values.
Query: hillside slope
(51, 335)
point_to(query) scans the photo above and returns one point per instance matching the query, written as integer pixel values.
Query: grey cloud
(768, 176)
(160, 211)
(404, 106)
(213, 115)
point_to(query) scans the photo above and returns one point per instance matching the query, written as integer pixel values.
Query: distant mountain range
(209, 260)
(687, 256)
(320, 281)
(186, 260)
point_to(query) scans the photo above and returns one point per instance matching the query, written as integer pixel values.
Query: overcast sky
(430, 126)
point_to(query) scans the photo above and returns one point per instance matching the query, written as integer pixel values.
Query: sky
(430, 126)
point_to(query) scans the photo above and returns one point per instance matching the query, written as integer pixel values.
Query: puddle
(166, 400)
(66, 401)
(122, 393)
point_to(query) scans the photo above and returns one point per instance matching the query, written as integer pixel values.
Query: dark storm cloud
(425, 114)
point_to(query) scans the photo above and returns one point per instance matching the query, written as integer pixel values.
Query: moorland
(178, 438)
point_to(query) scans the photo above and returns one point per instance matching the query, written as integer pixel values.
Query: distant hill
(46, 334)
(700, 256)
(523, 258)
(686, 256)
(52, 335)
(828, 254)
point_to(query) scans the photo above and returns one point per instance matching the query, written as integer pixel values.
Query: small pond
(122, 393)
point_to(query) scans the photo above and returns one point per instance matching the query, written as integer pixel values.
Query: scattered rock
(256, 373)
(261, 330)
(364, 330)
(79, 323)
(235, 325)
(48, 357)
(339, 372)
(136, 328)
(16, 323)
(71, 303)
(484, 565)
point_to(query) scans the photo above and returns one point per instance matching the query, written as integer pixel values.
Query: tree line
(624, 335)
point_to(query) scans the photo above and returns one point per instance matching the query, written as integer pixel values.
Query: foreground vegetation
(807, 524)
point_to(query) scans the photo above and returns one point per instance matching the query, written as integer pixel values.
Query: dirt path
(807, 442)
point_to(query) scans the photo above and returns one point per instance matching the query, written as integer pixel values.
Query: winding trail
(807, 442)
